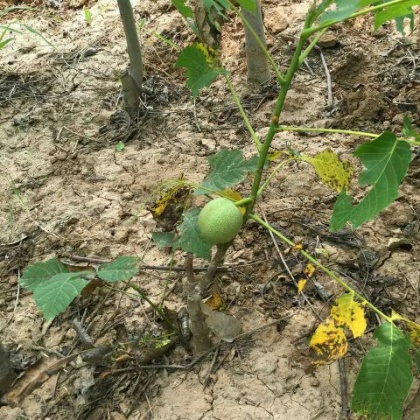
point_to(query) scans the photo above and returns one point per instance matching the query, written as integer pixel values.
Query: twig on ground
(329, 84)
(343, 389)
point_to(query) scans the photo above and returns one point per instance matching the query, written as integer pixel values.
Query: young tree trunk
(132, 80)
(258, 68)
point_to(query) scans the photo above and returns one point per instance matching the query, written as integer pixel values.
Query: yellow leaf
(301, 284)
(329, 342)
(214, 302)
(275, 155)
(348, 313)
(333, 171)
(234, 196)
(298, 247)
(309, 270)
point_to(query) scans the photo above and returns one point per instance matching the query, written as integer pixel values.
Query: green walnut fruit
(219, 221)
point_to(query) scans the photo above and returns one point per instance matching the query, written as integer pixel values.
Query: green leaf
(182, 8)
(250, 5)
(163, 239)
(228, 167)
(417, 359)
(385, 376)
(190, 239)
(5, 42)
(344, 9)
(202, 67)
(120, 146)
(386, 160)
(123, 268)
(55, 295)
(40, 272)
(397, 12)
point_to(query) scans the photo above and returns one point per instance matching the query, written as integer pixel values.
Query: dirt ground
(66, 191)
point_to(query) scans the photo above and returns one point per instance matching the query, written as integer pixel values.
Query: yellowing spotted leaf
(301, 284)
(233, 195)
(333, 171)
(309, 270)
(350, 314)
(413, 328)
(329, 342)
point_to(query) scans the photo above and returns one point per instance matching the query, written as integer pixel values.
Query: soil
(65, 190)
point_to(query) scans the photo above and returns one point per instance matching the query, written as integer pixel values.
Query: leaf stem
(158, 309)
(327, 271)
(267, 181)
(243, 113)
(311, 46)
(340, 131)
(326, 130)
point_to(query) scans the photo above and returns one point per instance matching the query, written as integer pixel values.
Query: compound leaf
(190, 239)
(123, 268)
(385, 376)
(202, 66)
(329, 342)
(55, 295)
(38, 273)
(333, 171)
(386, 161)
(348, 313)
(228, 167)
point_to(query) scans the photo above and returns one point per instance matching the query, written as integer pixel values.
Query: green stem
(340, 131)
(311, 46)
(243, 113)
(267, 181)
(326, 130)
(294, 65)
(279, 75)
(159, 310)
(246, 200)
(309, 31)
(316, 263)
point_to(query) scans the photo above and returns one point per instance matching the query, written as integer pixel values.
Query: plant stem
(309, 31)
(243, 201)
(279, 75)
(326, 130)
(159, 310)
(311, 46)
(285, 85)
(243, 113)
(340, 131)
(327, 271)
(267, 181)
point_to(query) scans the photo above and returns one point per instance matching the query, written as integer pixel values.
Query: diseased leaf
(37, 273)
(301, 285)
(350, 314)
(333, 171)
(201, 65)
(386, 161)
(123, 268)
(329, 342)
(55, 295)
(190, 239)
(385, 376)
(228, 168)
